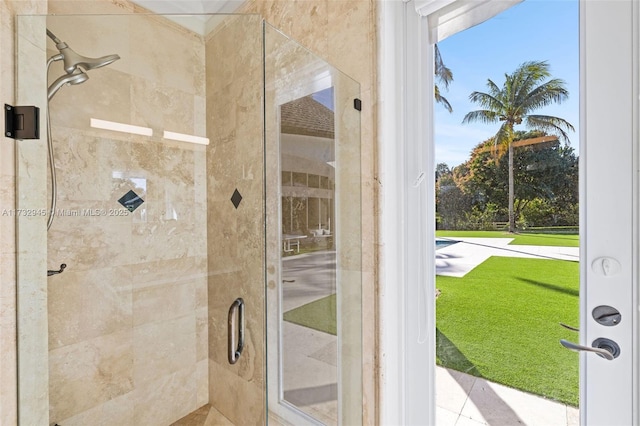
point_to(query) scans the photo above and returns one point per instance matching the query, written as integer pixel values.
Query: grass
(319, 315)
(562, 240)
(500, 322)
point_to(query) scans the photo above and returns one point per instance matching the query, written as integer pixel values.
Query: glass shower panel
(313, 237)
(159, 219)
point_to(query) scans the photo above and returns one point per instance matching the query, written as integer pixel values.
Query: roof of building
(308, 117)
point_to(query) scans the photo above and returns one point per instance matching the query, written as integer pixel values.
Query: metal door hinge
(22, 122)
(357, 104)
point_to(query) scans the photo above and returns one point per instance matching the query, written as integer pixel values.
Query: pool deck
(457, 260)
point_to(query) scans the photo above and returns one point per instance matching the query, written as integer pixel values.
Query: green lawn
(319, 315)
(562, 240)
(501, 320)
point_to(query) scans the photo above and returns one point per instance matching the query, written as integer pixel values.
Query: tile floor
(464, 400)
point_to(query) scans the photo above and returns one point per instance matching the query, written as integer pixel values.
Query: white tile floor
(464, 400)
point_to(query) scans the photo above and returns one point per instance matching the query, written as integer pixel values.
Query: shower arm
(53, 37)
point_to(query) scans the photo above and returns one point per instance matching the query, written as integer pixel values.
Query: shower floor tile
(204, 416)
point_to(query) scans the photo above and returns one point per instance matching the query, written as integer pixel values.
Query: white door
(609, 197)
(609, 152)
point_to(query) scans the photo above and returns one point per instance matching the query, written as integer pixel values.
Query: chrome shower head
(72, 60)
(75, 78)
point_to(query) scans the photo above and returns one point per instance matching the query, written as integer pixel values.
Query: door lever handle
(605, 353)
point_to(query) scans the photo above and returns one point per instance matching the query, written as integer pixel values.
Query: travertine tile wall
(236, 237)
(8, 203)
(343, 32)
(128, 317)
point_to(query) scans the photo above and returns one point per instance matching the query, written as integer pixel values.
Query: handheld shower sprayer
(75, 67)
(75, 78)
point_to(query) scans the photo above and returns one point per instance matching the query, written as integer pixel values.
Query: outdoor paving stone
(459, 259)
(500, 405)
(452, 388)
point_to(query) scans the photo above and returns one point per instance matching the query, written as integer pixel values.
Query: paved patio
(457, 260)
(464, 400)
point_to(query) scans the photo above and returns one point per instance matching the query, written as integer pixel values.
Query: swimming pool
(444, 243)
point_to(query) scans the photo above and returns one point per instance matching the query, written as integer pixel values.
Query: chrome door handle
(605, 353)
(235, 350)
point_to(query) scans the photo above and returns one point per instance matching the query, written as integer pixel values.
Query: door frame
(407, 205)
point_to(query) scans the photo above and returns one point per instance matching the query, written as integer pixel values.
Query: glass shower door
(159, 219)
(313, 237)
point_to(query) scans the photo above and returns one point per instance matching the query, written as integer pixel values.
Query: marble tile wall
(128, 317)
(236, 236)
(344, 34)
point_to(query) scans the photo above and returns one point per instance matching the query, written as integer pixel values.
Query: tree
(444, 76)
(545, 175)
(452, 204)
(528, 89)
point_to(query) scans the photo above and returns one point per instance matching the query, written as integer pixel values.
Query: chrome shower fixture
(74, 66)
(72, 60)
(75, 78)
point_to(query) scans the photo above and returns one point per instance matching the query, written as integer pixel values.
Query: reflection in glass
(309, 339)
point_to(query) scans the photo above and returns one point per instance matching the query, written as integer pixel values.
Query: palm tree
(444, 76)
(529, 88)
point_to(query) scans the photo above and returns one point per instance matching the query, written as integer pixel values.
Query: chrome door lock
(606, 315)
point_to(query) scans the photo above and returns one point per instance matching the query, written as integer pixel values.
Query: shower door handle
(235, 349)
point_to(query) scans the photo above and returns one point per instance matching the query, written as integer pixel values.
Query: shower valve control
(22, 122)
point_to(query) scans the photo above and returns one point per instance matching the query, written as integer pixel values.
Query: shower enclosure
(171, 217)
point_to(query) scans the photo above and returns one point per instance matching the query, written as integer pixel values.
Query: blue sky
(532, 30)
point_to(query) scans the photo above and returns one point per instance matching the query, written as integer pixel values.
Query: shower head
(72, 60)
(75, 78)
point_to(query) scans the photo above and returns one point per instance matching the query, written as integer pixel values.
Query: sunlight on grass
(501, 320)
(556, 240)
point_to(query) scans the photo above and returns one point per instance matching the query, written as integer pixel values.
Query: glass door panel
(313, 238)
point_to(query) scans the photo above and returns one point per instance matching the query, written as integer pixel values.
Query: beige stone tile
(97, 96)
(237, 399)
(351, 37)
(86, 242)
(175, 58)
(202, 333)
(163, 302)
(84, 305)
(89, 373)
(89, 7)
(215, 418)
(161, 107)
(118, 410)
(171, 271)
(163, 347)
(93, 35)
(166, 398)
(202, 382)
